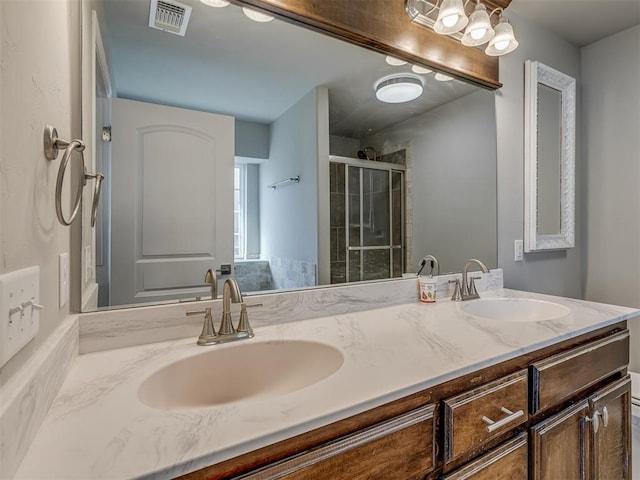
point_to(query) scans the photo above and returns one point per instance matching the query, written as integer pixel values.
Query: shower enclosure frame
(390, 168)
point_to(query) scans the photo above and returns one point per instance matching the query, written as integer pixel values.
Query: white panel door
(172, 200)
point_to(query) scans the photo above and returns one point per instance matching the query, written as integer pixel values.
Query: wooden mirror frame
(384, 26)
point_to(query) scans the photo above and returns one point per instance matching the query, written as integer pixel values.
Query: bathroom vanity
(410, 391)
(560, 412)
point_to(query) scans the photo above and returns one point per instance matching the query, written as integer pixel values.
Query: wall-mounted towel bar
(284, 182)
(51, 146)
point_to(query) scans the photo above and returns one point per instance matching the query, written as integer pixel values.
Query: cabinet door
(506, 462)
(611, 443)
(558, 445)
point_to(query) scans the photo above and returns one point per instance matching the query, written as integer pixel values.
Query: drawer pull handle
(605, 417)
(493, 426)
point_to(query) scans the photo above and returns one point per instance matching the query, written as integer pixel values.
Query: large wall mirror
(264, 146)
(550, 117)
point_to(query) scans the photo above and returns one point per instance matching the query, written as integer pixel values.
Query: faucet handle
(243, 323)
(208, 330)
(457, 292)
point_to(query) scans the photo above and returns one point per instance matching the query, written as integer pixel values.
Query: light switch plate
(63, 280)
(518, 248)
(19, 320)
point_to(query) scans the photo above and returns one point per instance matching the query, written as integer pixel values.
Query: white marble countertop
(98, 428)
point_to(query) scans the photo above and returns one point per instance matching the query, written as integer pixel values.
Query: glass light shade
(479, 29)
(451, 18)
(396, 62)
(398, 89)
(215, 3)
(257, 16)
(420, 70)
(504, 41)
(441, 77)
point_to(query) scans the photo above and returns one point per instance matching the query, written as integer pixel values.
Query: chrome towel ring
(51, 146)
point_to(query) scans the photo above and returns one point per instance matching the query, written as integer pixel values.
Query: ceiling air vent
(169, 16)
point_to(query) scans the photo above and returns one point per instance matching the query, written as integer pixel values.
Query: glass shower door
(373, 214)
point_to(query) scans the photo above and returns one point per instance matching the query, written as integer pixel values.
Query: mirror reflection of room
(375, 180)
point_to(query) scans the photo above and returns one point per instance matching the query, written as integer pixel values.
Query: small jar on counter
(428, 289)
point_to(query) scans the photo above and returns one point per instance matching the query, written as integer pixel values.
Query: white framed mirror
(549, 139)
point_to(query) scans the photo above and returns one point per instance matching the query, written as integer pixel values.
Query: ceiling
(581, 22)
(229, 64)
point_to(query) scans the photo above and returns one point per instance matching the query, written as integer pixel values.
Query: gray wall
(453, 152)
(289, 215)
(253, 210)
(252, 139)
(611, 123)
(38, 89)
(611, 100)
(558, 272)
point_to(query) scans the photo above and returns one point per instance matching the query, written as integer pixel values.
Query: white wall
(611, 125)
(40, 77)
(558, 272)
(453, 151)
(289, 215)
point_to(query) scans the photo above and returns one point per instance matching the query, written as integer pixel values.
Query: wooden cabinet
(398, 448)
(611, 443)
(478, 415)
(559, 447)
(588, 440)
(507, 462)
(531, 416)
(566, 374)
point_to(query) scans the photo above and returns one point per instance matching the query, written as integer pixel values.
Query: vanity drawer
(562, 376)
(508, 461)
(485, 412)
(403, 445)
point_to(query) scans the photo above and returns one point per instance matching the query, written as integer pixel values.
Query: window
(239, 211)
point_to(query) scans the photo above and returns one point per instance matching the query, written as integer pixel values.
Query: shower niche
(367, 215)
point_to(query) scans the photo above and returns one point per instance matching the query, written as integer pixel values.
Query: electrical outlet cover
(19, 320)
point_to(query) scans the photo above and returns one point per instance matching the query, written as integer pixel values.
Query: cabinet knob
(595, 420)
(605, 416)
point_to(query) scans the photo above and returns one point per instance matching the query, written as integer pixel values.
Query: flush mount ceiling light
(441, 77)
(479, 29)
(420, 70)
(257, 16)
(215, 3)
(396, 62)
(448, 17)
(451, 17)
(398, 88)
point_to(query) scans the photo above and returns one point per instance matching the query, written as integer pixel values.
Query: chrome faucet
(466, 290)
(226, 333)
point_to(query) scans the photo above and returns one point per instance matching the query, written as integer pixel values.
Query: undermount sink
(240, 373)
(515, 309)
